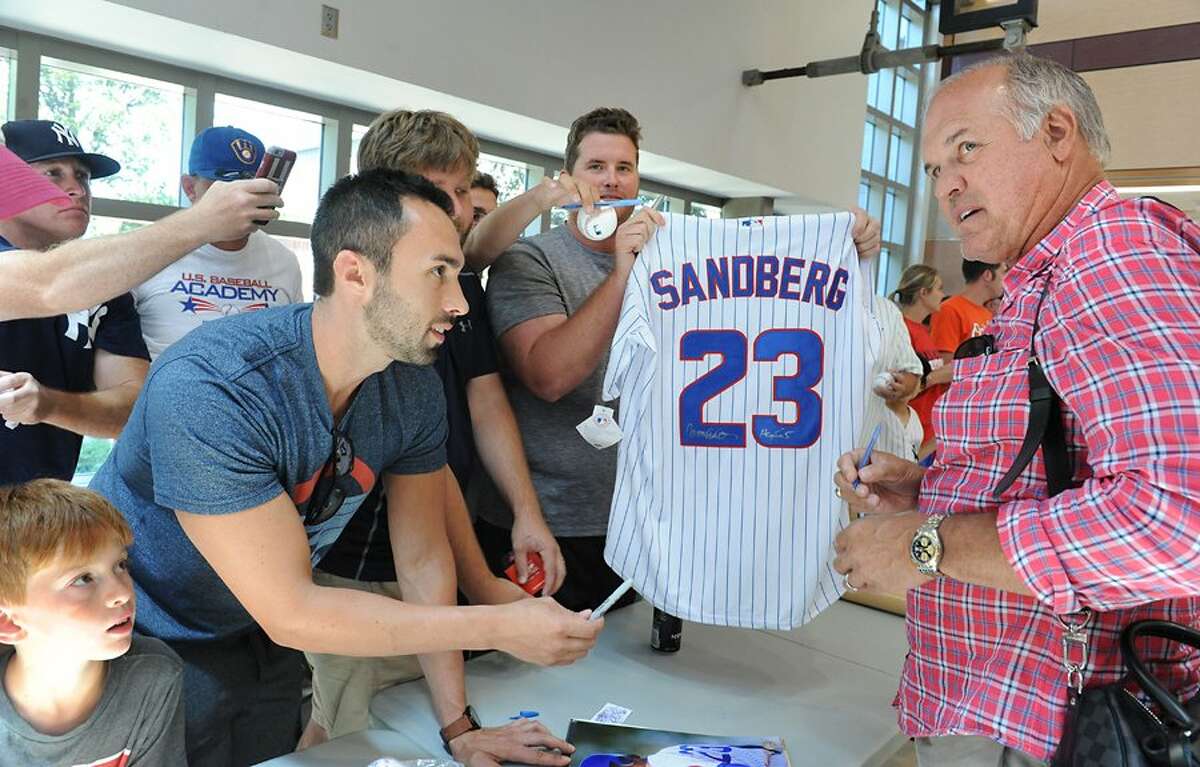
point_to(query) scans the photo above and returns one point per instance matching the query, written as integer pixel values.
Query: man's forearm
(84, 273)
(360, 624)
(92, 414)
(435, 585)
(498, 440)
(563, 357)
(972, 553)
(500, 229)
(426, 575)
(474, 578)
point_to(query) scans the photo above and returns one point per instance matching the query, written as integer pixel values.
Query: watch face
(922, 549)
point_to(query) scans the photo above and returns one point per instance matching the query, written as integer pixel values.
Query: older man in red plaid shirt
(1015, 150)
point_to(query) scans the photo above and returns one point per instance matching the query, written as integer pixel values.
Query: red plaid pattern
(1119, 339)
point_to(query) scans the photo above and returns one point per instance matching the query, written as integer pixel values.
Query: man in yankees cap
(66, 376)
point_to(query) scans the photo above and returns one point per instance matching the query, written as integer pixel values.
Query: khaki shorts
(343, 686)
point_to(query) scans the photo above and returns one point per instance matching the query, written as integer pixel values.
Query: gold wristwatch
(926, 547)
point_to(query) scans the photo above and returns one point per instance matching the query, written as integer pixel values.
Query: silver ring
(846, 583)
(837, 491)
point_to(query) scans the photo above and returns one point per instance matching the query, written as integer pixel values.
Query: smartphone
(276, 165)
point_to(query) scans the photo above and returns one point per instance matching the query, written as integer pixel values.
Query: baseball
(598, 226)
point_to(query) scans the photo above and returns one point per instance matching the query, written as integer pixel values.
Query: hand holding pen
(874, 482)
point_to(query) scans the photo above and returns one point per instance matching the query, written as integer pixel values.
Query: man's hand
(228, 210)
(544, 632)
(633, 235)
(523, 742)
(22, 400)
(873, 553)
(530, 534)
(563, 188)
(867, 233)
(886, 485)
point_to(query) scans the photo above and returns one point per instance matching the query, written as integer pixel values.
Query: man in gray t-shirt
(138, 720)
(554, 301)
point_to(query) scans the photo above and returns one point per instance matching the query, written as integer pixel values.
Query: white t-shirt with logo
(210, 283)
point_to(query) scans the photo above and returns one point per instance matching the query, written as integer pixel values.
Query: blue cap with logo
(225, 154)
(38, 140)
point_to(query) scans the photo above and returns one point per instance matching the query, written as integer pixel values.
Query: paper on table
(611, 713)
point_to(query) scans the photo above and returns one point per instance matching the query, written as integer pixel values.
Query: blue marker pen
(866, 456)
(628, 203)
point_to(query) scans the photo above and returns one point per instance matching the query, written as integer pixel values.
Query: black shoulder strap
(1045, 428)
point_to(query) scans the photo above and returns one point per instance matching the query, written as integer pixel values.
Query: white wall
(520, 70)
(1151, 112)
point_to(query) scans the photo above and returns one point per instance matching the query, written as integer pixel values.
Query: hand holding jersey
(633, 235)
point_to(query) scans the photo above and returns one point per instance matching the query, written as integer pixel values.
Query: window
(303, 250)
(890, 138)
(7, 73)
(102, 226)
(889, 272)
(512, 177)
(356, 136)
(300, 132)
(92, 454)
(137, 121)
(558, 217)
(649, 197)
(703, 211)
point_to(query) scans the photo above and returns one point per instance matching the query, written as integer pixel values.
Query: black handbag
(1106, 726)
(1109, 726)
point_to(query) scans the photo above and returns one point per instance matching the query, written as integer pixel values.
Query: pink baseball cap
(22, 187)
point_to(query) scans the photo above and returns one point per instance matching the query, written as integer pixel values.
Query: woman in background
(918, 295)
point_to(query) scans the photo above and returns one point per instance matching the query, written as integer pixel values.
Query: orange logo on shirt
(116, 760)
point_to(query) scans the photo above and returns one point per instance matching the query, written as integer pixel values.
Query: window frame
(200, 88)
(26, 50)
(908, 248)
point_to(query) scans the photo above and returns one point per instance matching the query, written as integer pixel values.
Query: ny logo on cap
(64, 135)
(243, 150)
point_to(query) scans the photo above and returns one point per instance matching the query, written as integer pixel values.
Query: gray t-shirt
(552, 273)
(137, 723)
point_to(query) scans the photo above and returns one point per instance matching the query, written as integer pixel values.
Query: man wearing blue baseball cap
(70, 375)
(218, 279)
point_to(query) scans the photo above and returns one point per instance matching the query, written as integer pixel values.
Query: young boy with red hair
(77, 687)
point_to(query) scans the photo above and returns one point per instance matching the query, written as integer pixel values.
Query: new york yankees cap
(36, 140)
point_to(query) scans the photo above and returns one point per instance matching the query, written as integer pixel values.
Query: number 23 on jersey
(736, 351)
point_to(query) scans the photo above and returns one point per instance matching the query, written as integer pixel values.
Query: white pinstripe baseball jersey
(742, 375)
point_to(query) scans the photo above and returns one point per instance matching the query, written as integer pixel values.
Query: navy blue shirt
(364, 552)
(233, 415)
(60, 352)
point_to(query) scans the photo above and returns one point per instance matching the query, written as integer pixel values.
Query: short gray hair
(1034, 86)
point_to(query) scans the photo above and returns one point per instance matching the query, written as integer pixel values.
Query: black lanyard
(1045, 427)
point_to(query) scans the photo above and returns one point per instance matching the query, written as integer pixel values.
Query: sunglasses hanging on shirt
(330, 492)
